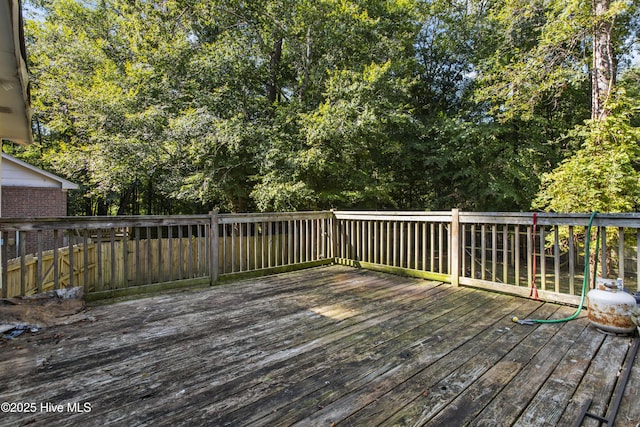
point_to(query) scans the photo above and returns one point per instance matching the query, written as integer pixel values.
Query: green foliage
(185, 106)
(543, 50)
(105, 84)
(629, 82)
(603, 174)
(348, 144)
(351, 136)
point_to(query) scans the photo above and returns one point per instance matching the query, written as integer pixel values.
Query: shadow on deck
(318, 347)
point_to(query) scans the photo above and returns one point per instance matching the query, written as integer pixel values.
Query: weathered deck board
(415, 392)
(317, 347)
(629, 412)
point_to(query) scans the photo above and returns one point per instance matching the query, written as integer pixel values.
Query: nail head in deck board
(200, 356)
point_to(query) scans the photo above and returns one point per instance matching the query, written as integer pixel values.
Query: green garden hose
(585, 281)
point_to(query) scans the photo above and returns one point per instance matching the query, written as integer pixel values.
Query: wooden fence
(507, 252)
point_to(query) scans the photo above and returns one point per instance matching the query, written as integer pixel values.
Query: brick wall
(24, 202)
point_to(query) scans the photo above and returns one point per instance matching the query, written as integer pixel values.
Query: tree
(484, 145)
(184, 106)
(603, 70)
(196, 103)
(105, 84)
(332, 140)
(554, 49)
(603, 174)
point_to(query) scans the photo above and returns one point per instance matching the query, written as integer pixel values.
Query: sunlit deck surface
(320, 347)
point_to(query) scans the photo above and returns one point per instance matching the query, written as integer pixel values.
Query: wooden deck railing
(496, 251)
(550, 247)
(255, 243)
(506, 252)
(119, 255)
(102, 253)
(415, 243)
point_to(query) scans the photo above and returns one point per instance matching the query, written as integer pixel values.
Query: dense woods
(182, 106)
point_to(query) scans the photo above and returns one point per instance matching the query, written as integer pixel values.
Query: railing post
(4, 256)
(455, 247)
(334, 235)
(214, 242)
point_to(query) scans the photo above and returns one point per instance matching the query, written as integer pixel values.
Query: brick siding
(25, 202)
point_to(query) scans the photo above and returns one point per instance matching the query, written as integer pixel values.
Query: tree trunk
(88, 206)
(603, 72)
(274, 66)
(149, 196)
(102, 208)
(306, 66)
(126, 199)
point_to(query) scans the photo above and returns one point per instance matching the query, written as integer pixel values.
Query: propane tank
(609, 307)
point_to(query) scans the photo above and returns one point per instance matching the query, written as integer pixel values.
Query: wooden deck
(318, 347)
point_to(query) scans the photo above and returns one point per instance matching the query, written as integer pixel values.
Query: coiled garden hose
(585, 281)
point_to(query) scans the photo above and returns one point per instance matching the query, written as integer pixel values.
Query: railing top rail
(433, 216)
(631, 220)
(234, 218)
(93, 222)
